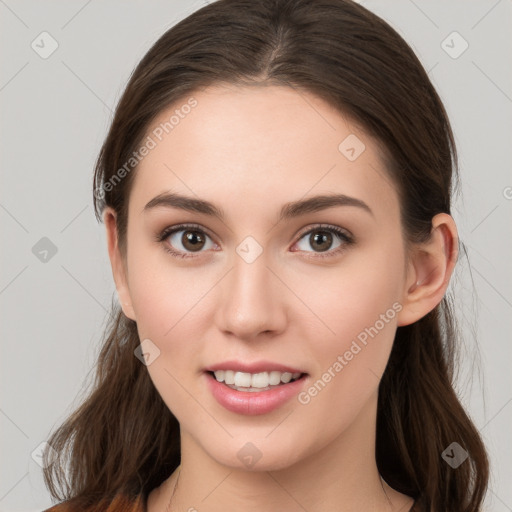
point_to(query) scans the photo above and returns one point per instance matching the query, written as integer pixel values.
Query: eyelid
(169, 230)
(346, 237)
(327, 227)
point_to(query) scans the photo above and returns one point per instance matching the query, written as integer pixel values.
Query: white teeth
(219, 375)
(286, 377)
(254, 381)
(243, 379)
(259, 380)
(274, 378)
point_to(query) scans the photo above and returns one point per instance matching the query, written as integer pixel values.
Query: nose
(253, 301)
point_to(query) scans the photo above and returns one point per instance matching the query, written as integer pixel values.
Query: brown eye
(321, 240)
(192, 240)
(186, 240)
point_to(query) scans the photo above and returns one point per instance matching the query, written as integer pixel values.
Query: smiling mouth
(254, 382)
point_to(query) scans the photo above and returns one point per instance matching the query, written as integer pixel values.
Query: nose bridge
(252, 303)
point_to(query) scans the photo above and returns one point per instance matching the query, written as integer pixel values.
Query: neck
(342, 476)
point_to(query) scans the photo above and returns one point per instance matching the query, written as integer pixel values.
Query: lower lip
(252, 403)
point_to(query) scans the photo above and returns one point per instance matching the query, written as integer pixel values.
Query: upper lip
(254, 367)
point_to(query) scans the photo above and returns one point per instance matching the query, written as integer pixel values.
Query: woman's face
(267, 285)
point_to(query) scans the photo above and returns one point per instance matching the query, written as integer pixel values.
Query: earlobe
(430, 268)
(117, 263)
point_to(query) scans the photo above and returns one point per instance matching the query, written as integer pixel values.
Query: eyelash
(344, 237)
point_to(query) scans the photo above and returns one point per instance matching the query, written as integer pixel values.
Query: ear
(117, 262)
(429, 270)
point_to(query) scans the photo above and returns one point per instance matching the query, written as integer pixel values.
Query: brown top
(120, 503)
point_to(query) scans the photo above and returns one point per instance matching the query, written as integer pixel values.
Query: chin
(257, 455)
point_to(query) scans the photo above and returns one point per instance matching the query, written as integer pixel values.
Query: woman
(275, 188)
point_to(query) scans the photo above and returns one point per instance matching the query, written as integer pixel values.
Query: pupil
(192, 239)
(324, 237)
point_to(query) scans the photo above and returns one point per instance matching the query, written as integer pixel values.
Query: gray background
(55, 113)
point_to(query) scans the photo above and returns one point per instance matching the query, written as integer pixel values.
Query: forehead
(269, 144)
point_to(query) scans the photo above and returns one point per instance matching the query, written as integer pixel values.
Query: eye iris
(194, 238)
(321, 237)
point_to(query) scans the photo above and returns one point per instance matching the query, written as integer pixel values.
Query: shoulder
(120, 503)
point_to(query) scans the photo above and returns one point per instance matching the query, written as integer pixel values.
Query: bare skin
(250, 151)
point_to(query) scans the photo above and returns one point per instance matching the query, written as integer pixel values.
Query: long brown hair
(123, 439)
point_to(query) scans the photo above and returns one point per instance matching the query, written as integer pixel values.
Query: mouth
(254, 393)
(255, 382)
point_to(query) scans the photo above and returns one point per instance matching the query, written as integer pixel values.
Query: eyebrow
(288, 211)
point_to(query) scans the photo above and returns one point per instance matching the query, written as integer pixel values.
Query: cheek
(345, 319)
(345, 298)
(167, 303)
(163, 293)
(355, 314)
